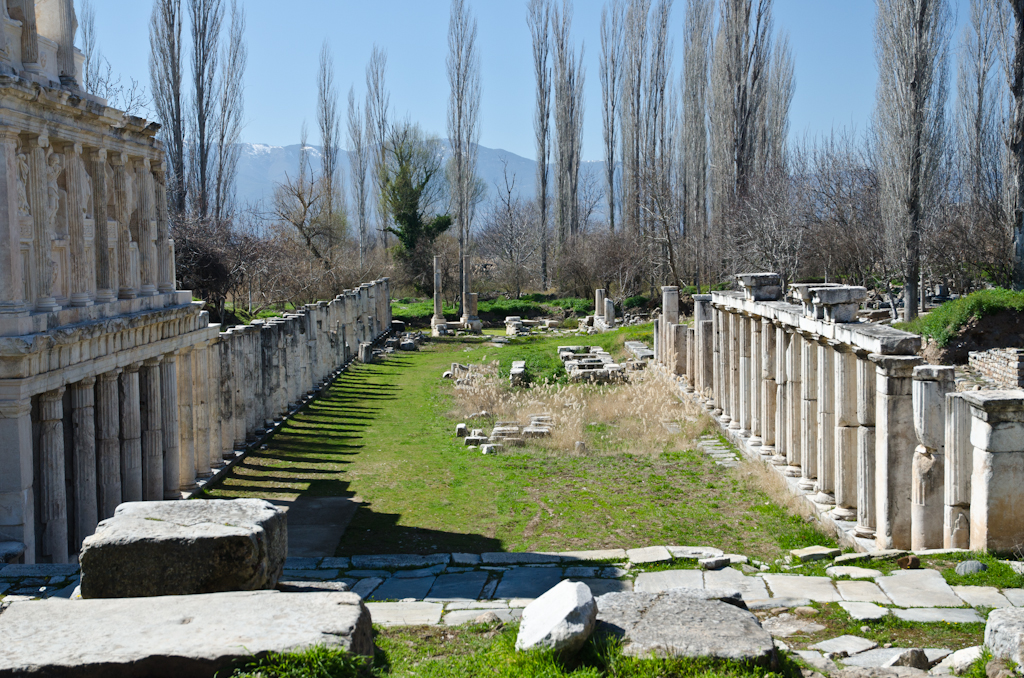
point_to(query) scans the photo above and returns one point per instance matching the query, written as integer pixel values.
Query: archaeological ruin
(114, 386)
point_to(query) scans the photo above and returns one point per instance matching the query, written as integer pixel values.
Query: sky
(832, 44)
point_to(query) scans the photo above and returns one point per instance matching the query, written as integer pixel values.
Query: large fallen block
(173, 636)
(160, 548)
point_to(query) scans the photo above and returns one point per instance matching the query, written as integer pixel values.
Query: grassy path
(380, 435)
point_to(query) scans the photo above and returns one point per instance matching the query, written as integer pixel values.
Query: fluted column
(756, 357)
(53, 490)
(794, 404)
(807, 425)
(12, 275)
(124, 198)
(83, 424)
(931, 384)
(164, 243)
(147, 234)
(106, 282)
(76, 197)
(186, 421)
(214, 402)
(108, 418)
(131, 435)
(865, 447)
(152, 431)
(735, 341)
(438, 317)
(768, 389)
(67, 26)
(43, 215)
(239, 367)
(17, 482)
(25, 11)
(956, 524)
(826, 425)
(200, 393)
(781, 457)
(717, 366)
(171, 430)
(744, 384)
(227, 394)
(847, 425)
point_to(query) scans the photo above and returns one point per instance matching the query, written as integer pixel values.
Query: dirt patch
(1001, 330)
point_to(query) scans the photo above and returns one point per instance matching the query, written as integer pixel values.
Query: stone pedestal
(931, 384)
(956, 524)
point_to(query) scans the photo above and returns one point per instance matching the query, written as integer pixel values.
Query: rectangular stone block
(185, 547)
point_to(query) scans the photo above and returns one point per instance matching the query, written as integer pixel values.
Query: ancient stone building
(113, 385)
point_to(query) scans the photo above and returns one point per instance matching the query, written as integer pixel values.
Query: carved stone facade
(114, 386)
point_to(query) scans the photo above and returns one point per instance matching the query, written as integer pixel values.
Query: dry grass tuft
(761, 477)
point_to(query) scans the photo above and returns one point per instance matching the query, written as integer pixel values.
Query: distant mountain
(262, 167)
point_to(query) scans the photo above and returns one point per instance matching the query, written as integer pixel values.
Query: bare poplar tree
(1012, 33)
(205, 18)
(463, 122)
(230, 114)
(329, 122)
(359, 160)
(539, 20)
(165, 73)
(778, 101)
(912, 39)
(696, 62)
(634, 75)
(378, 103)
(297, 201)
(86, 14)
(568, 90)
(612, 19)
(979, 105)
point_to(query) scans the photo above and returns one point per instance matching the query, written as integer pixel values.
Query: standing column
(866, 389)
(106, 282)
(227, 396)
(794, 403)
(466, 287)
(169, 426)
(152, 431)
(717, 388)
(826, 424)
(847, 426)
(44, 214)
(200, 392)
(131, 435)
(164, 243)
(997, 512)
(108, 417)
(124, 197)
(956, 524)
(894, 449)
(735, 341)
(756, 358)
(17, 482)
(781, 457)
(66, 25)
(669, 317)
(931, 384)
(214, 389)
(146, 231)
(51, 465)
(438, 317)
(12, 275)
(83, 424)
(682, 352)
(810, 415)
(186, 422)
(745, 386)
(75, 196)
(768, 393)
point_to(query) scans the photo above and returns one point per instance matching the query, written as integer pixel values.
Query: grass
(489, 650)
(943, 323)
(419, 311)
(382, 434)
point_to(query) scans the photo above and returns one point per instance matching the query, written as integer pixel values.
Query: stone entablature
(876, 439)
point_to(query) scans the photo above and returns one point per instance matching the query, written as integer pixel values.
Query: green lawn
(382, 434)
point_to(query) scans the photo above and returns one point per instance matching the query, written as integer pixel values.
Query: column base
(126, 294)
(824, 498)
(767, 450)
(807, 484)
(745, 434)
(779, 460)
(105, 296)
(724, 418)
(791, 471)
(844, 513)
(79, 300)
(755, 441)
(864, 532)
(48, 305)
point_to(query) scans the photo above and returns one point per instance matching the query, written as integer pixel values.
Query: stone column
(826, 424)
(703, 368)
(847, 427)
(810, 415)
(152, 431)
(768, 388)
(997, 429)
(438, 317)
(756, 358)
(239, 367)
(956, 524)
(866, 389)
(108, 418)
(76, 204)
(17, 482)
(200, 393)
(466, 287)
(794, 404)
(599, 296)
(124, 198)
(656, 337)
(53, 490)
(894, 449)
(186, 422)
(169, 425)
(227, 395)
(682, 352)
(718, 367)
(106, 282)
(25, 12)
(706, 368)
(43, 224)
(131, 435)
(164, 243)
(609, 313)
(83, 424)
(735, 341)
(669, 317)
(215, 381)
(781, 352)
(12, 277)
(744, 385)
(931, 384)
(67, 26)
(147, 234)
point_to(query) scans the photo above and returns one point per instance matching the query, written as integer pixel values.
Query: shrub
(943, 323)
(638, 301)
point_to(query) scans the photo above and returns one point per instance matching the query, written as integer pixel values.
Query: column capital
(996, 406)
(42, 141)
(54, 395)
(88, 382)
(73, 147)
(118, 159)
(98, 155)
(9, 133)
(895, 366)
(15, 409)
(132, 368)
(112, 375)
(842, 347)
(152, 362)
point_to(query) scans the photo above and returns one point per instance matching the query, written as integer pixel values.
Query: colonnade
(850, 414)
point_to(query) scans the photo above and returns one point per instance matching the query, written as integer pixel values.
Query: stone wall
(883, 446)
(1004, 366)
(114, 386)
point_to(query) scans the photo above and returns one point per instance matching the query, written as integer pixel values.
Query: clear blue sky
(832, 43)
